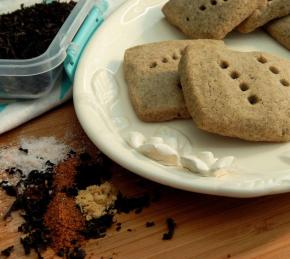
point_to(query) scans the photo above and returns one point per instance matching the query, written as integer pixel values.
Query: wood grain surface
(207, 226)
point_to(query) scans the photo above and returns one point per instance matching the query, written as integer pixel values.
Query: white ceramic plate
(105, 112)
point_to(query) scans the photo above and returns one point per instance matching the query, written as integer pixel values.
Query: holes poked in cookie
(274, 70)
(253, 99)
(262, 60)
(244, 87)
(165, 60)
(179, 85)
(224, 64)
(213, 2)
(235, 75)
(187, 19)
(202, 8)
(284, 82)
(175, 56)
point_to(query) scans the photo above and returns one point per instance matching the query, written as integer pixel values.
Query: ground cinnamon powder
(63, 218)
(65, 221)
(65, 173)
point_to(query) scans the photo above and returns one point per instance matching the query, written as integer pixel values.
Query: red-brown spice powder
(65, 221)
(65, 173)
(63, 218)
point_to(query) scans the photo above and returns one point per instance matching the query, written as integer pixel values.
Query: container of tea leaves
(30, 69)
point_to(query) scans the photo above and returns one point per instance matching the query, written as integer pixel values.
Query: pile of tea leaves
(27, 32)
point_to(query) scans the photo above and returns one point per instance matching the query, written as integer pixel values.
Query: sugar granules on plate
(33, 154)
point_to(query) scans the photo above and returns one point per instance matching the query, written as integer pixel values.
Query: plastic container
(33, 78)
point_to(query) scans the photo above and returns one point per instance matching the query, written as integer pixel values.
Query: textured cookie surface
(208, 19)
(242, 95)
(267, 11)
(151, 72)
(280, 30)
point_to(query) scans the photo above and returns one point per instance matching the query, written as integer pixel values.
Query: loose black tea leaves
(7, 252)
(171, 227)
(149, 224)
(27, 32)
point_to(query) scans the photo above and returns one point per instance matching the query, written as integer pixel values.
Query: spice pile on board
(27, 32)
(64, 202)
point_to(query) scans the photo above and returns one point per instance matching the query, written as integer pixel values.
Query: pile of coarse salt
(32, 154)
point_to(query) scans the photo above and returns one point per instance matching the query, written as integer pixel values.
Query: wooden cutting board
(207, 226)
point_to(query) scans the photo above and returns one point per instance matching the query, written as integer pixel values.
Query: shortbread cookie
(208, 19)
(151, 72)
(235, 94)
(267, 11)
(280, 30)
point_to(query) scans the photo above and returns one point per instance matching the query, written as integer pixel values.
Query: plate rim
(101, 142)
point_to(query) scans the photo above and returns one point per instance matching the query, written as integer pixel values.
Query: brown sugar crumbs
(95, 200)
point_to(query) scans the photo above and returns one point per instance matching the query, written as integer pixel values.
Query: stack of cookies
(230, 93)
